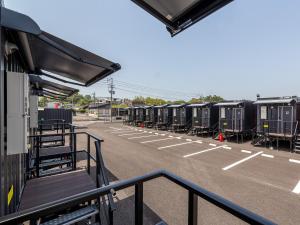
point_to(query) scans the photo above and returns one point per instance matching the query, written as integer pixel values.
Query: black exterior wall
(206, 117)
(12, 167)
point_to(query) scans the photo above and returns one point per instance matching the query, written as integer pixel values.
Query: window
(263, 112)
(195, 112)
(174, 112)
(223, 115)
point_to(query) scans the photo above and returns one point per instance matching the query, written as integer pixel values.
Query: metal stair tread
(55, 163)
(54, 171)
(74, 217)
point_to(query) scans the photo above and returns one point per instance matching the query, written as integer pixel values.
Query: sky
(244, 49)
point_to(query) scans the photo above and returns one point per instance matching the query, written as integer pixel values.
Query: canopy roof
(161, 106)
(199, 104)
(178, 15)
(46, 87)
(230, 103)
(177, 106)
(283, 100)
(46, 54)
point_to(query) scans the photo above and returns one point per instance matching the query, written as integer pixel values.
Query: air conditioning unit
(17, 112)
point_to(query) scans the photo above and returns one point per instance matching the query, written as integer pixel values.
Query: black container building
(164, 116)
(139, 115)
(237, 119)
(205, 118)
(130, 116)
(150, 116)
(181, 117)
(277, 119)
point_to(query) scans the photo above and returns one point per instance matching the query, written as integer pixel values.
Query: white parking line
(170, 136)
(214, 145)
(156, 133)
(268, 156)
(170, 146)
(156, 140)
(150, 132)
(163, 134)
(122, 131)
(153, 135)
(121, 135)
(246, 151)
(188, 139)
(200, 152)
(294, 161)
(226, 147)
(296, 190)
(179, 138)
(241, 161)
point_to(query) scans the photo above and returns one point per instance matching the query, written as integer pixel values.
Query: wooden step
(55, 163)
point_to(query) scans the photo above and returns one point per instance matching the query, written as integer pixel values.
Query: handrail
(194, 190)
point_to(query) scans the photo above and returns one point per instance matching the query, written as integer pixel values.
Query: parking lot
(262, 180)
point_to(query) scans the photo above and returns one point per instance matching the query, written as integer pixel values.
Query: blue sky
(248, 47)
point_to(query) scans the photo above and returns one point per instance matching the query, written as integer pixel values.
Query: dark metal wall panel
(12, 167)
(56, 114)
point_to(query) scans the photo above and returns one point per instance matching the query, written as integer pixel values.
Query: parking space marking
(214, 145)
(163, 134)
(296, 190)
(246, 151)
(170, 136)
(121, 135)
(156, 140)
(150, 132)
(203, 151)
(122, 131)
(188, 139)
(227, 147)
(241, 161)
(179, 138)
(156, 133)
(294, 161)
(268, 156)
(153, 135)
(170, 146)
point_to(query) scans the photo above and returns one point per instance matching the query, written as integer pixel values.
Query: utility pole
(111, 87)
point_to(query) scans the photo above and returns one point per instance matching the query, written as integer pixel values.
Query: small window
(137, 112)
(174, 112)
(195, 112)
(158, 112)
(147, 112)
(223, 116)
(263, 112)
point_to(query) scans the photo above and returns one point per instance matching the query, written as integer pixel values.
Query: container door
(196, 116)
(287, 118)
(238, 119)
(205, 118)
(182, 116)
(229, 124)
(274, 115)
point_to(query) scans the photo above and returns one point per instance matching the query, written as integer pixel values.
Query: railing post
(193, 209)
(139, 203)
(37, 157)
(89, 154)
(74, 151)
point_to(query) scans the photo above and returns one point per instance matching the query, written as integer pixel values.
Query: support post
(193, 209)
(139, 204)
(89, 154)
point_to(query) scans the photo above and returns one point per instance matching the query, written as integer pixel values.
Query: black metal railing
(279, 127)
(101, 177)
(194, 192)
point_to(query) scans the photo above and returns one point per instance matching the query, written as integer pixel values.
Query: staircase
(297, 144)
(259, 140)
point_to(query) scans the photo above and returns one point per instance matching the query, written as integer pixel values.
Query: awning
(45, 87)
(177, 106)
(275, 101)
(161, 106)
(178, 15)
(199, 104)
(229, 103)
(46, 54)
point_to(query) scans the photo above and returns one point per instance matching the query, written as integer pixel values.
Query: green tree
(154, 101)
(139, 100)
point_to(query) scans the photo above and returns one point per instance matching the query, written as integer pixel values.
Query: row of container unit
(263, 120)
